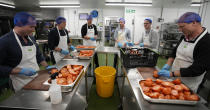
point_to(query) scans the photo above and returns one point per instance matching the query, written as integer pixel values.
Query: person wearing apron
(58, 40)
(20, 54)
(89, 34)
(191, 56)
(150, 37)
(122, 38)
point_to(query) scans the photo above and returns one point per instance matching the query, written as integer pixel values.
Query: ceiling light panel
(56, 2)
(139, 1)
(114, 0)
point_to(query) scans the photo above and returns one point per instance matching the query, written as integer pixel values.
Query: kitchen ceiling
(34, 4)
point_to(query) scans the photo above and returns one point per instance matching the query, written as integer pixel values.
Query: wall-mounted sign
(130, 11)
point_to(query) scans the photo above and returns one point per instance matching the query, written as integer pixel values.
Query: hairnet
(89, 17)
(23, 19)
(60, 19)
(189, 17)
(122, 19)
(148, 19)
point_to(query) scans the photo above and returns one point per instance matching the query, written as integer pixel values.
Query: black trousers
(96, 60)
(115, 60)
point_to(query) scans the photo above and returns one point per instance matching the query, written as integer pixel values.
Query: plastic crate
(138, 57)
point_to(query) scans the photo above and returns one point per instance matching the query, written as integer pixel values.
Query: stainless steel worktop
(30, 99)
(132, 78)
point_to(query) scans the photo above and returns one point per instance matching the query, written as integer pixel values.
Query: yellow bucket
(105, 76)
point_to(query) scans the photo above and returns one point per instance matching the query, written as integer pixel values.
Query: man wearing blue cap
(122, 38)
(122, 35)
(89, 34)
(150, 37)
(58, 40)
(20, 54)
(190, 60)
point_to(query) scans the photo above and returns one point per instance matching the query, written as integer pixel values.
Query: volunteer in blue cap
(20, 55)
(150, 37)
(190, 60)
(89, 34)
(58, 40)
(122, 38)
(122, 35)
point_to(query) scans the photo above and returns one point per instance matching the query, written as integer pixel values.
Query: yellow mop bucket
(105, 76)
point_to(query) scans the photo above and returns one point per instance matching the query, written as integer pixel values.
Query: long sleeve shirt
(127, 33)
(11, 53)
(201, 58)
(153, 39)
(53, 38)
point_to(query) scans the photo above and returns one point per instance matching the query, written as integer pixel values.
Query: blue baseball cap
(89, 17)
(148, 19)
(189, 17)
(122, 19)
(60, 19)
(23, 19)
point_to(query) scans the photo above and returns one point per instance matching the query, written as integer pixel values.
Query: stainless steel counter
(132, 78)
(30, 99)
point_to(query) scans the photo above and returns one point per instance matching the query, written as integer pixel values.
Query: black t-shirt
(53, 38)
(201, 56)
(84, 29)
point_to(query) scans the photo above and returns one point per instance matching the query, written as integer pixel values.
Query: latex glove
(129, 43)
(65, 52)
(27, 71)
(165, 73)
(50, 67)
(119, 44)
(166, 67)
(141, 44)
(72, 47)
(92, 38)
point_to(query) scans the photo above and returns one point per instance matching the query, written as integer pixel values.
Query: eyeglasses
(146, 23)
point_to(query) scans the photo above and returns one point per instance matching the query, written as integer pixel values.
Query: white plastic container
(55, 93)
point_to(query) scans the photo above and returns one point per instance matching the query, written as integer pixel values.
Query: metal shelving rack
(169, 37)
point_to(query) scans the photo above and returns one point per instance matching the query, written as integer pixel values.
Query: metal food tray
(166, 101)
(85, 57)
(69, 87)
(85, 48)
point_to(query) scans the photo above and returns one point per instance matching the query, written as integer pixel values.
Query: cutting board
(37, 83)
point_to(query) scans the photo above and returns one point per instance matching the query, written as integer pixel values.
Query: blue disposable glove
(166, 67)
(119, 44)
(129, 43)
(72, 47)
(50, 67)
(65, 52)
(141, 44)
(165, 73)
(92, 38)
(27, 71)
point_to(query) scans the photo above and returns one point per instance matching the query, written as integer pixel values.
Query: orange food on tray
(88, 53)
(83, 46)
(155, 74)
(68, 74)
(173, 90)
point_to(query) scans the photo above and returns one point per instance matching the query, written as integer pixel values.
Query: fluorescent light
(195, 5)
(60, 6)
(128, 4)
(7, 5)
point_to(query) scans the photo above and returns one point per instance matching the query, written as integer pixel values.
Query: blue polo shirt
(11, 54)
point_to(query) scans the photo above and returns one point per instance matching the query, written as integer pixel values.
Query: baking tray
(166, 101)
(69, 87)
(85, 57)
(84, 48)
